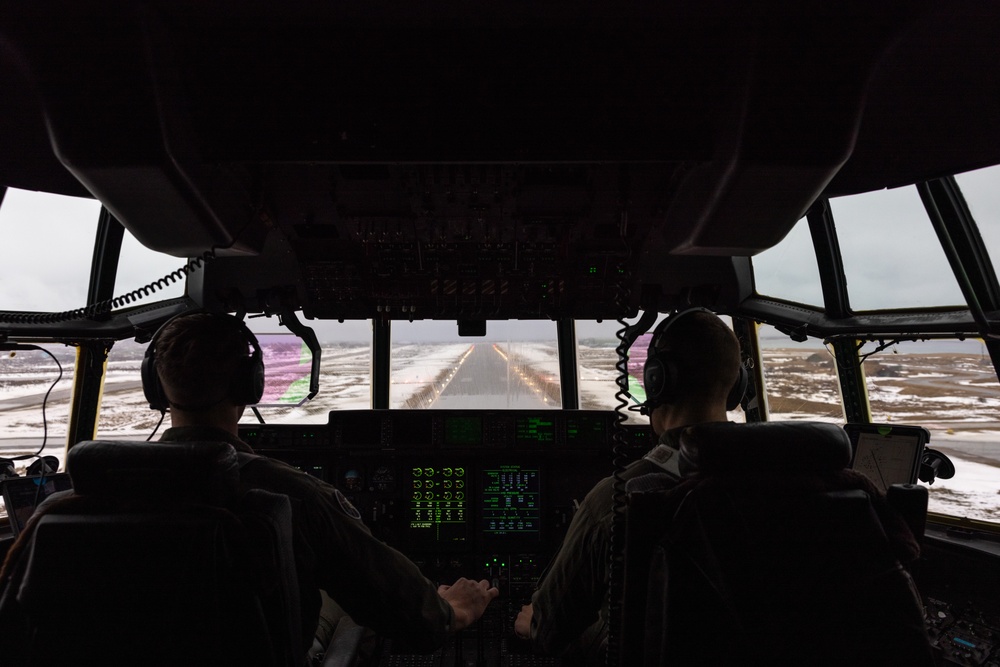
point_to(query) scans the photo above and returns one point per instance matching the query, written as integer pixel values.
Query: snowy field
(953, 394)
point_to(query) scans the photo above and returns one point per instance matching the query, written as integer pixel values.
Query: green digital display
(463, 431)
(534, 430)
(438, 503)
(511, 502)
(586, 431)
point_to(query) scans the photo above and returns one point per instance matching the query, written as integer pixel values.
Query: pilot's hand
(522, 624)
(468, 599)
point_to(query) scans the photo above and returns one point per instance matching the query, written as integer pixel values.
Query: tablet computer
(21, 495)
(887, 453)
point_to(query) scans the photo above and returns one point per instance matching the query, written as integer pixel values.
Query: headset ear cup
(659, 381)
(739, 389)
(669, 392)
(257, 379)
(248, 385)
(152, 388)
(249, 381)
(661, 386)
(652, 379)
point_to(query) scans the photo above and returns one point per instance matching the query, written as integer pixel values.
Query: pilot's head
(205, 361)
(692, 369)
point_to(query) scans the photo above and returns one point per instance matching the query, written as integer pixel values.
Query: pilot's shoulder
(280, 477)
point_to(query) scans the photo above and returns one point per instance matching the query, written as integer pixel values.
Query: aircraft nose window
(344, 373)
(514, 366)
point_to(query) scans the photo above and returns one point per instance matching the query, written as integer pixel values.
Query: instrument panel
(462, 493)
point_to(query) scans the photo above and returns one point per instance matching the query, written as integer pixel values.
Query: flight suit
(376, 585)
(570, 605)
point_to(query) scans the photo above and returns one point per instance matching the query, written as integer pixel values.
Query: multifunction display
(463, 431)
(439, 497)
(511, 502)
(540, 430)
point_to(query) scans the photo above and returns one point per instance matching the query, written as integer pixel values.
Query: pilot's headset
(246, 386)
(660, 375)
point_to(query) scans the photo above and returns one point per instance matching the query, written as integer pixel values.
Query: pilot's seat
(156, 559)
(768, 551)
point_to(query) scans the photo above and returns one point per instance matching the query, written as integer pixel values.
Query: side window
(124, 411)
(950, 388)
(139, 266)
(46, 252)
(800, 379)
(982, 194)
(788, 270)
(892, 257)
(44, 266)
(34, 401)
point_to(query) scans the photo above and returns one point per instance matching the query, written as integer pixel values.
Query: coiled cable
(104, 307)
(616, 549)
(616, 531)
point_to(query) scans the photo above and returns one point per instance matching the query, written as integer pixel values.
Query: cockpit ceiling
(475, 241)
(710, 130)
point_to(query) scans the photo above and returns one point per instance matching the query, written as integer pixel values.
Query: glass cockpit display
(511, 502)
(438, 508)
(534, 430)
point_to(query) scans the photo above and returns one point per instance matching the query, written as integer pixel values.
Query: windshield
(948, 387)
(514, 366)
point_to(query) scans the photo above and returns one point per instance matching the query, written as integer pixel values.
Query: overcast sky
(891, 258)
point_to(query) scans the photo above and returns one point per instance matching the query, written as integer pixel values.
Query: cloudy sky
(891, 258)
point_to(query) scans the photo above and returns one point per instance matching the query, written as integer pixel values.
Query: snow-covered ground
(972, 492)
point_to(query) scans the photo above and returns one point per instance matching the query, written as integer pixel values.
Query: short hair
(706, 354)
(198, 356)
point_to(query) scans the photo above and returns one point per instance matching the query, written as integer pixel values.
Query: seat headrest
(786, 447)
(191, 472)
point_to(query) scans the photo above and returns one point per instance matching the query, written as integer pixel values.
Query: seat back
(158, 560)
(766, 562)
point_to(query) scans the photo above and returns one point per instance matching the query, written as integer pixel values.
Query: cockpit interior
(447, 222)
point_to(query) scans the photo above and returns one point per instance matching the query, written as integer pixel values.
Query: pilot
(692, 376)
(568, 613)
(200, 359)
